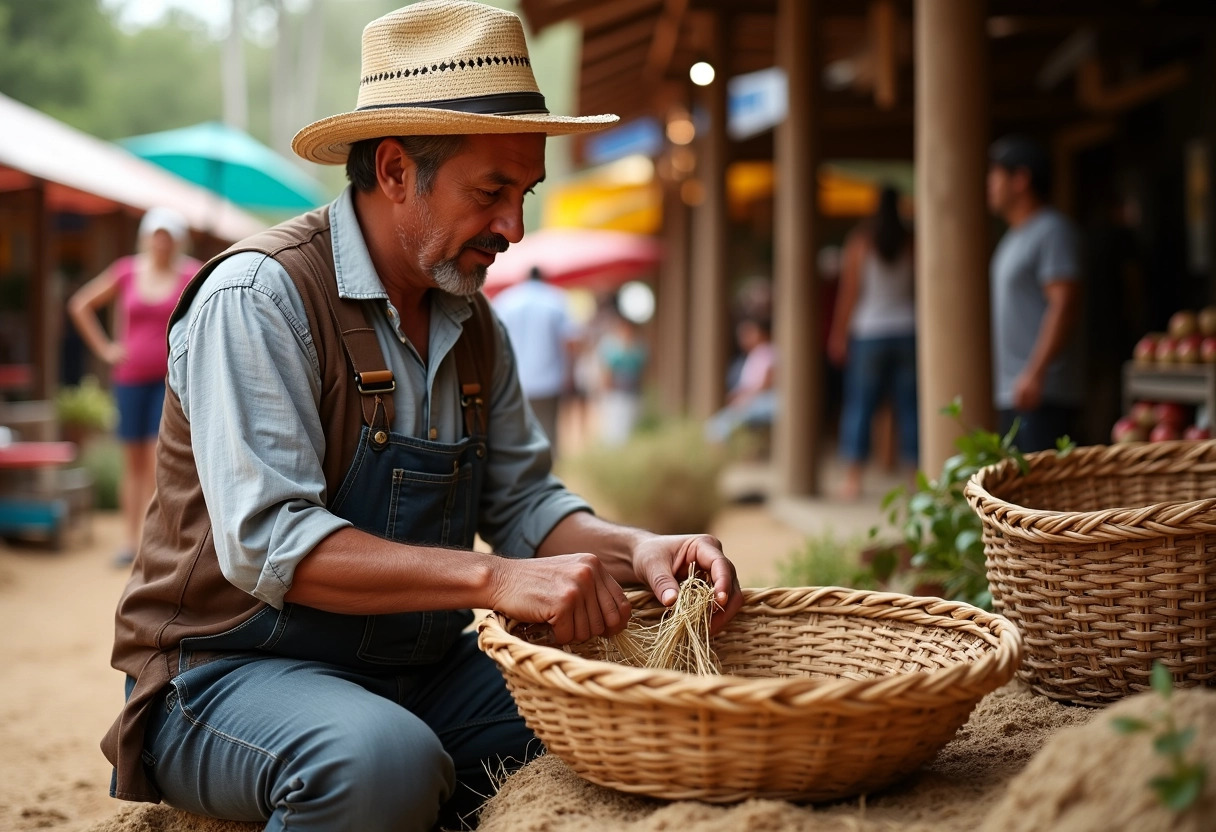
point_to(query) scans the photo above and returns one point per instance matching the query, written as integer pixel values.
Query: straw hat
(441, 67)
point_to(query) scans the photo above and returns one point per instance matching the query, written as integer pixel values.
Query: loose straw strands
(679, 641)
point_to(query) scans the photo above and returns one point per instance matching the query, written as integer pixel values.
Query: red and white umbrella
(575, 257)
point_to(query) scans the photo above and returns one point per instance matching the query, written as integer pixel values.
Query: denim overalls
(316, 720)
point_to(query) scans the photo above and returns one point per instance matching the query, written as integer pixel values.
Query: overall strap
(475, 355)
(373, 378)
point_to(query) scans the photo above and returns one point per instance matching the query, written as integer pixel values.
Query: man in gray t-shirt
(1036, 299)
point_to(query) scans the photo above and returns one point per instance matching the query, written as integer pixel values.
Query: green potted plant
(935, 522)
(85, 410)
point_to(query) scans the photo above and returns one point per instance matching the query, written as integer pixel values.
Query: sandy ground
(60, 694)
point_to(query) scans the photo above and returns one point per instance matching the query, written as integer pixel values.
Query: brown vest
(176, 589)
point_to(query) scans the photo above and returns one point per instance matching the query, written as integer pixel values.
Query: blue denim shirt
(243, 363)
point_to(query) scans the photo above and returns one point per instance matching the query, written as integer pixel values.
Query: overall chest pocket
(431, 508)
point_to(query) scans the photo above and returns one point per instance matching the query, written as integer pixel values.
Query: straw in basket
(1105, 559)
(826, 693)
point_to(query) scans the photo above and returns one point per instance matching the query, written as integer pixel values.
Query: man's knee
(374, 775)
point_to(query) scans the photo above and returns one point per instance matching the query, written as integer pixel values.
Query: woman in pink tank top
(143, 289)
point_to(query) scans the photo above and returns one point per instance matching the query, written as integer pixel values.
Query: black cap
(1013, 152)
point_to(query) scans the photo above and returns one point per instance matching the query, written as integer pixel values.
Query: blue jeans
(139, 408)
(879, 367)
(312, 745)
(1038, 429)
(757, 412)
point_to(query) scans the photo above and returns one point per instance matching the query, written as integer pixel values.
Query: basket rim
(625, 684)
(1119, 524)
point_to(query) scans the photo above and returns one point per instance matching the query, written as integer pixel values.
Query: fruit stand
(1192, 384)
(1169, 386)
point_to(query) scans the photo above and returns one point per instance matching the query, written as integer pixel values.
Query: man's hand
(1027, 391)
(573, 594)
(663, 561)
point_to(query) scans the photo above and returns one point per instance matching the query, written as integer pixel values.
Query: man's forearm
(356, 573)
(1054, 332)
(613, 544)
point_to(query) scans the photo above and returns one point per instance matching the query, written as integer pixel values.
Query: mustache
(489, 242)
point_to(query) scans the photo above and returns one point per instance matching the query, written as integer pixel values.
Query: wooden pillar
(711, 336)
(796, 326)
(672, 305)
(952, 313)
(43, 310)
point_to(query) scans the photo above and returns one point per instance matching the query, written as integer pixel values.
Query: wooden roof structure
(1051, 62)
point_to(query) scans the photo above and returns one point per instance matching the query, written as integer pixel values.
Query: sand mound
(954, 792)
(146, 817)
(1091, 778)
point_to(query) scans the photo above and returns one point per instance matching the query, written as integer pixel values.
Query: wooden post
(672, 305)
(43, 312)
(709, 326)
(796, 327)
(952, 313)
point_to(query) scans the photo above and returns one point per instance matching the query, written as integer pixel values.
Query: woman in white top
(873, 336)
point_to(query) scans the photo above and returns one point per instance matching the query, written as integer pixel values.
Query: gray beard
(448, 277)
(445, 273)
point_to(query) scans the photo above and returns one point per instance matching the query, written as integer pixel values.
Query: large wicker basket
(826, 693)
(1105, 558)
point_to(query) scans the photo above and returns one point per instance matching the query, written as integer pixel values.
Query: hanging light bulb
(701, 73)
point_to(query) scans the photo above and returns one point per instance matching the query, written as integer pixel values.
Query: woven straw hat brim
(328, 141)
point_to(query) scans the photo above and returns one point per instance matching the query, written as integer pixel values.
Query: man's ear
(395, 171)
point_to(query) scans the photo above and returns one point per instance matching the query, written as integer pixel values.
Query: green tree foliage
(50, 51)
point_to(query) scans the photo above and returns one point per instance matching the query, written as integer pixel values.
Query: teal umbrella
(231, 163)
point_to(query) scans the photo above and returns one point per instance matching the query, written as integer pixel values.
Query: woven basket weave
(826, 693)
(1105, 558)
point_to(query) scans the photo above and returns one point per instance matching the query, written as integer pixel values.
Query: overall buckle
(373, 382)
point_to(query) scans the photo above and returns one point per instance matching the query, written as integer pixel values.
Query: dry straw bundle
(679, 641)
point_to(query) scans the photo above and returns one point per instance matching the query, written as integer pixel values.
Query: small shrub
(664, 479)
(103, 460)
(824, 560)
(87, 408)
(935, 521)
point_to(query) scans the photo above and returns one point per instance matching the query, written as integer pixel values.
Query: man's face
(474, 209)
(999, 187)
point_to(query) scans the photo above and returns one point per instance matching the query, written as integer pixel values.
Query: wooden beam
(1096, 96)
(882, 53)
(666, 35)
(609, 13)
(952, 311)
(544, 13)
(608, 42)
(623, 67)
(796, 325)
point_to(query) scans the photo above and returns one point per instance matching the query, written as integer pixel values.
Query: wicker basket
(827, 693)
(1105, 558)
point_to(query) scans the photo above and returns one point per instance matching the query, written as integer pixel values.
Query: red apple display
(1188, 350)
(1127, 430)
(1164, 432)
(1207, 320)
(1166, 351)
(1207, 350)
(1196, 432)
(1183, 323)
(1170, 413)
(1145, 351)
(1144, 415)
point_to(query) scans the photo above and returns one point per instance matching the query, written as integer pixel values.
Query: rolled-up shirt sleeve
(521, 499)
(246, 371)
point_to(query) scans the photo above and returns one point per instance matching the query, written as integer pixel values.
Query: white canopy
(84, 174)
